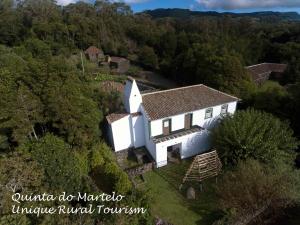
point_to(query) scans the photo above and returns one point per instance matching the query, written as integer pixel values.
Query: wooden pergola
(204, 166)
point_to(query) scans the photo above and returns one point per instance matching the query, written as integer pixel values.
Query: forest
(51, 120)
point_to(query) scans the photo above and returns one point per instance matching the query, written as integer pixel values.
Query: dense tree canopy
(182, 49)
(253, 134)
(19, 173)
(253, 187)
(58, 160)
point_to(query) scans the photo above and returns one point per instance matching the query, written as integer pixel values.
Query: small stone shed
(94, 54)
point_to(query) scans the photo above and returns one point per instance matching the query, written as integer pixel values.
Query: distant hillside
(186, 13)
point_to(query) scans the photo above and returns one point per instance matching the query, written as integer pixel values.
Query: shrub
(253, 187)
(82, 159)
(96, 157)
(253, 134)
(117, 178)
(109, 176)
(59, 162)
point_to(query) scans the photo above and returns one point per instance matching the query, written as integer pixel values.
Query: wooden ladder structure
(204, 166)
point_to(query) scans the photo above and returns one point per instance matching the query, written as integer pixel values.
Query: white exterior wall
(198, 119)
(138, 131)
(162, 154)
(121, 133)
(132, 97)
(199, 116)
(232, 107)
(148, 140)
(127, 132)
(195, 144)
(191, 145)
(156, 127)
(177, 122)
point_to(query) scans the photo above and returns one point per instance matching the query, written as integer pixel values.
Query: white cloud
(247, 4)
(192, 7)
(65, 2)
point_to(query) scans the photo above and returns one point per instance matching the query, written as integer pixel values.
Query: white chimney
(132, 96)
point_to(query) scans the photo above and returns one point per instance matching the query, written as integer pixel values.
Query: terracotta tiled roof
(177, 134)
(278, 68)
(116, 116)
(117, 59)
(93, 50)
(258, 71)
(176, 101)
(136, 114)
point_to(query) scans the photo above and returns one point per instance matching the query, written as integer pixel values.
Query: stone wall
(139, 170)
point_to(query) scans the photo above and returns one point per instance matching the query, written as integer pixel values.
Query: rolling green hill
(186, 13)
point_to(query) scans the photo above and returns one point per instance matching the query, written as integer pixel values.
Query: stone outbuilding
(94, 54)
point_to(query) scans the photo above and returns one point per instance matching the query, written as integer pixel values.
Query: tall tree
(252, 188)
(72, 111)
(21, 109)
(56, 157)
(18, 173)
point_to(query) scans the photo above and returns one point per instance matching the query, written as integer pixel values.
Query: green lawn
(171, 205)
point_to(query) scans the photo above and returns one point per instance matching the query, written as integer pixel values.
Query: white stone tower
(132, 96)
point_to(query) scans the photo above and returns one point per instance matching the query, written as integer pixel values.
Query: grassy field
(170, 204)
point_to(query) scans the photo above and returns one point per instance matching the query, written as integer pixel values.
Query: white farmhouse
(176, 120)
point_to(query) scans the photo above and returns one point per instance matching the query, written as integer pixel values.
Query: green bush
(117, 178)
(253, 186)
(96, 157)
(61, 167)
(107, 174)
(109, 77)
(253, 134)
(148, 57)
(82, 159)
(270, 97)
(14, 220)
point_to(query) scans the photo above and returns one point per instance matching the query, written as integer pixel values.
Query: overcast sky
(218, 5)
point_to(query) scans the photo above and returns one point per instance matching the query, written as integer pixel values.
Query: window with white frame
(166, 123)
(208, 113)
(224, 109)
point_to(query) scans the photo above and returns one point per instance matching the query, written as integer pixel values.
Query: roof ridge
(221, 92)
(196, 85)
(266, 63)
(257, 64)
(172, 89)
(277, 63)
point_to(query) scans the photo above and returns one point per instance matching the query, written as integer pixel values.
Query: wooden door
(188, 121)
(167, 127)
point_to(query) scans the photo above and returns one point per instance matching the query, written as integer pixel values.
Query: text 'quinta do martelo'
(93, 204)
